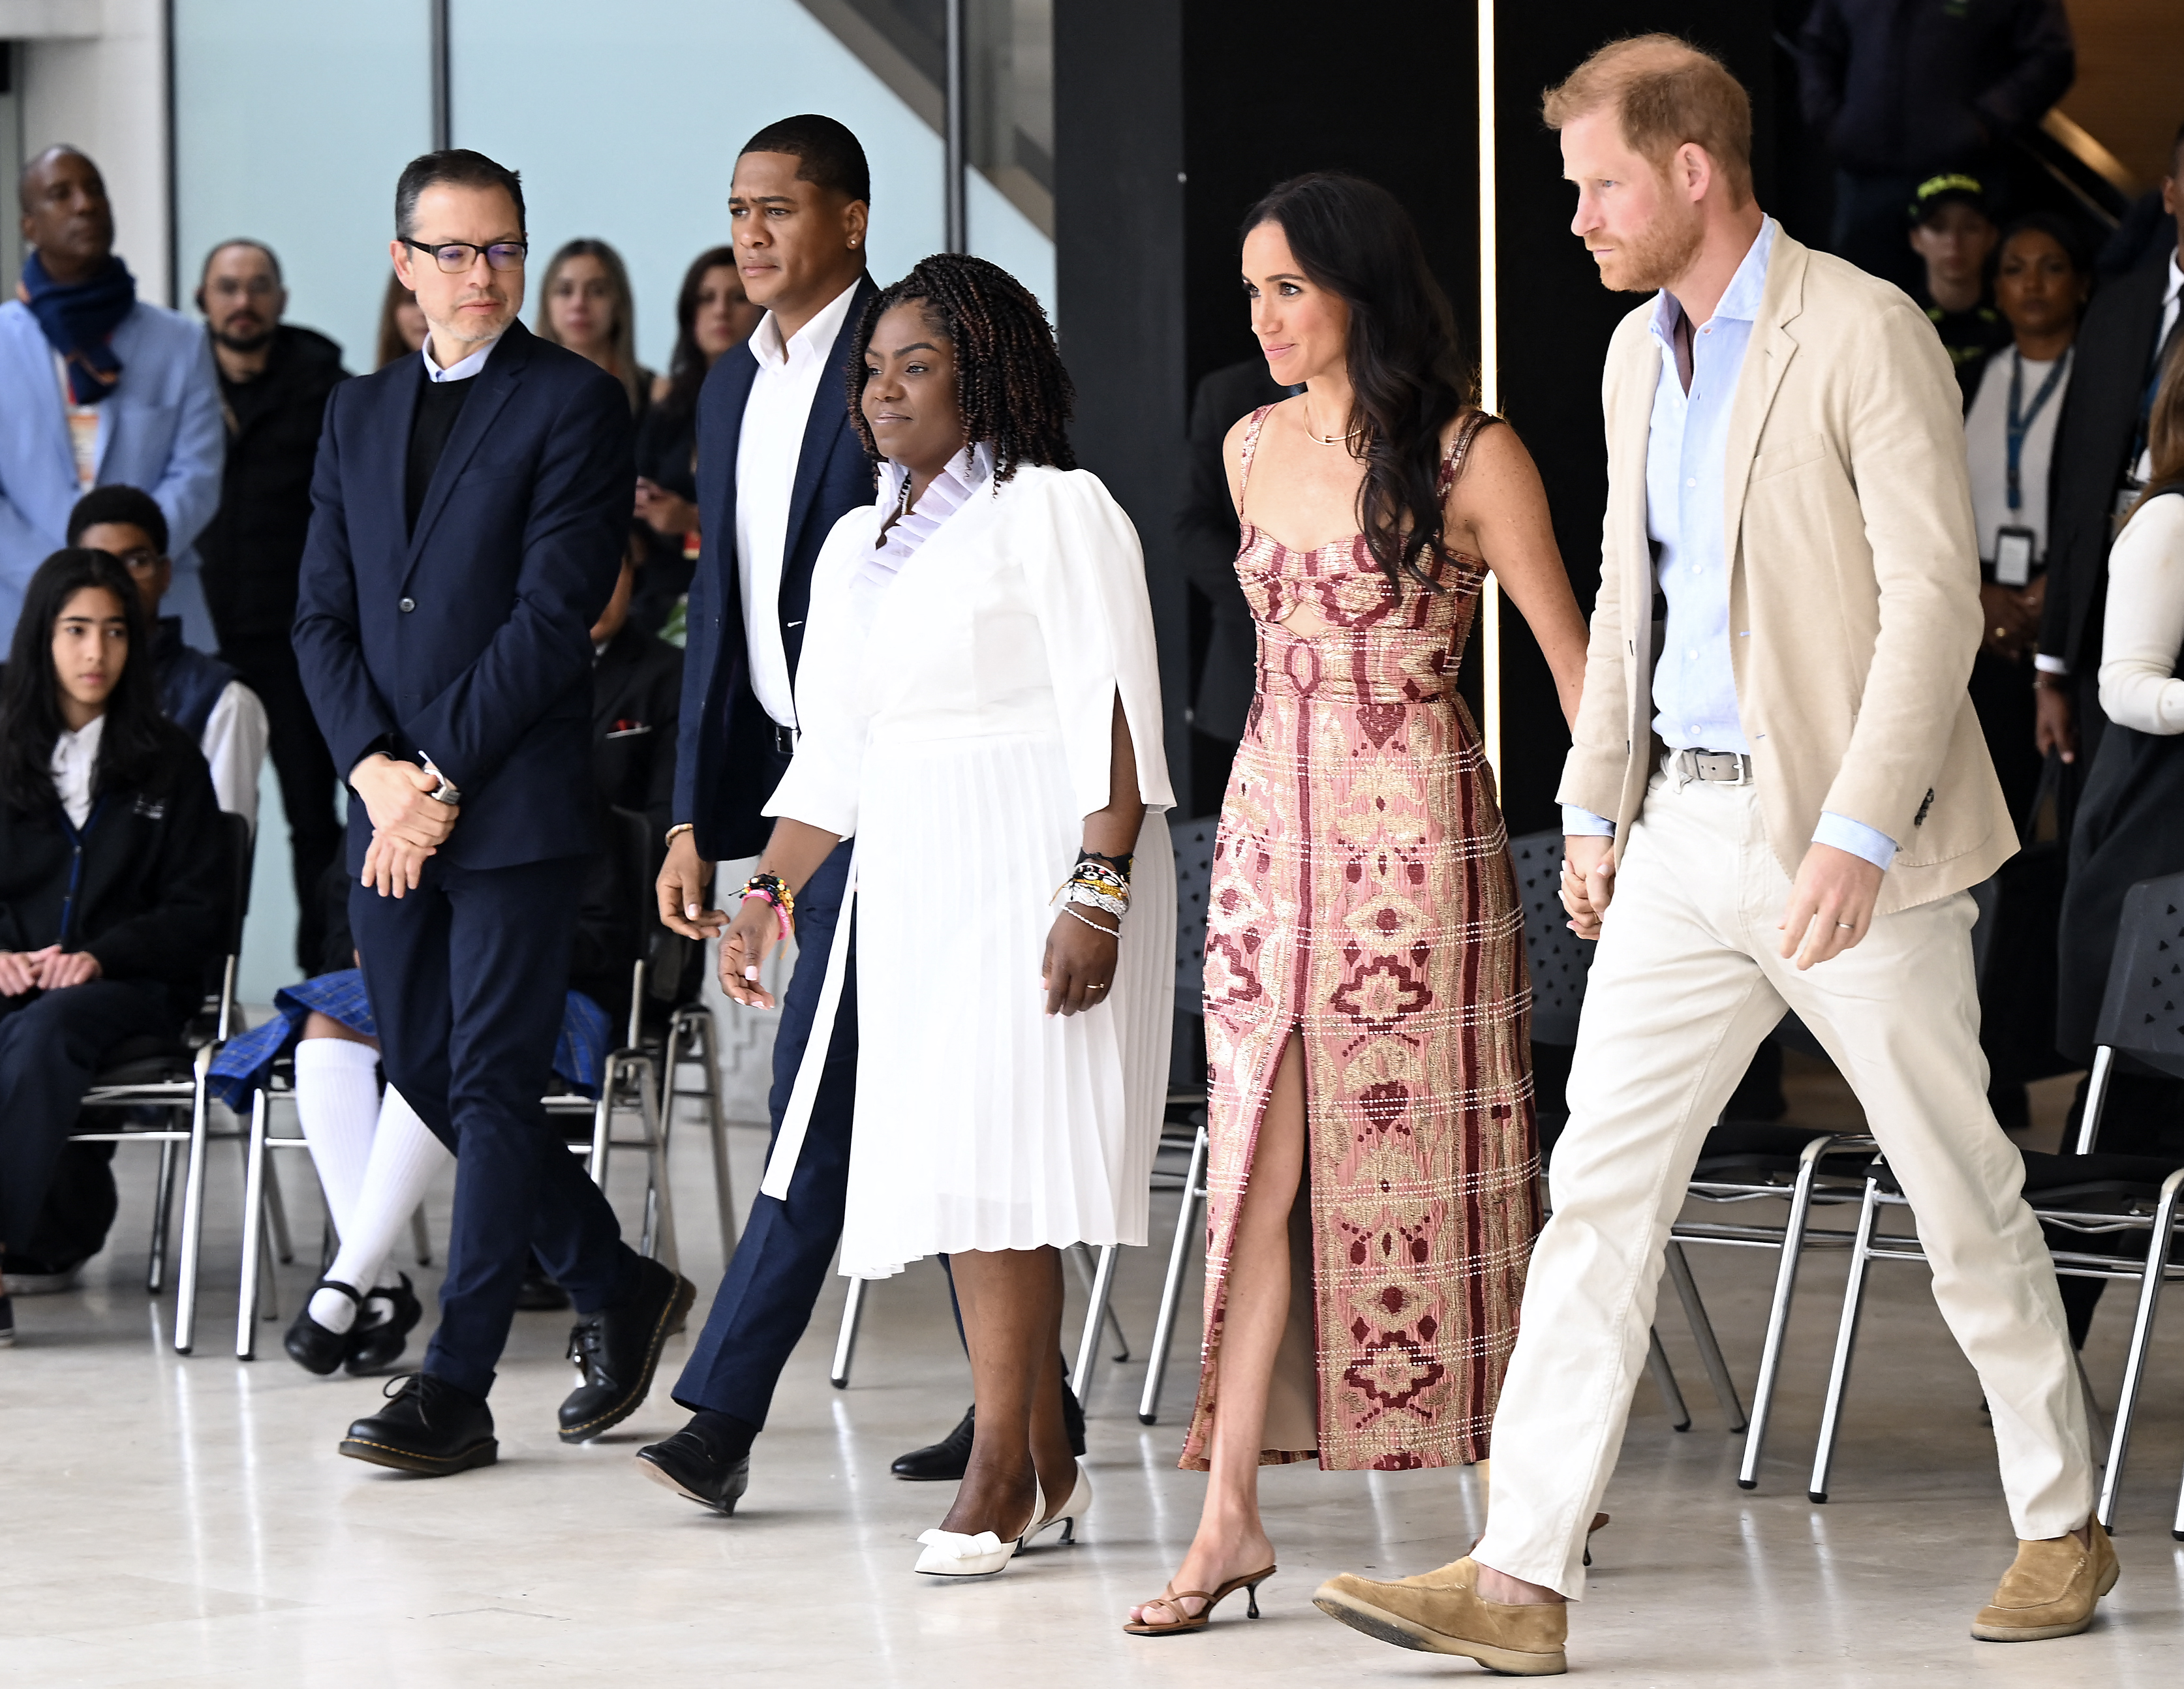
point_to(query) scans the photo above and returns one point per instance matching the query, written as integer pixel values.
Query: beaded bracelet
(1110, 932)
(1094, 898)
(771, 888)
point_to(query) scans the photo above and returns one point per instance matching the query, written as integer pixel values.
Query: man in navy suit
(468, 512)
(778, 465)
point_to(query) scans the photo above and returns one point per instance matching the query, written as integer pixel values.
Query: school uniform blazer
(1854, 577)
(159, 429)
(725, 766)
(469, 641)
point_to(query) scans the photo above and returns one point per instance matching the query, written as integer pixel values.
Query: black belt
(785, 740)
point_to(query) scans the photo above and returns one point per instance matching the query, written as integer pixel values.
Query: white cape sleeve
(1087, 578)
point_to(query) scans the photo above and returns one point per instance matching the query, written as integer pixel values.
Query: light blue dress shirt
(1686, 465)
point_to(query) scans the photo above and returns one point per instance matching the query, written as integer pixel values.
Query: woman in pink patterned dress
(1373, 1160)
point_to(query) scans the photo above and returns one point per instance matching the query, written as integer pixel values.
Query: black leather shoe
(309, 1344)
(374, 1349)
(948, 1459)
(429, 1427)
(688, 1465)
(945, 1459)
(540, 1294)
(616, 1349)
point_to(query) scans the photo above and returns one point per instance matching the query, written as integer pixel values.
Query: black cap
(1936, 191)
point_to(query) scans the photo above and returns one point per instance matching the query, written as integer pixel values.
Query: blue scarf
(78, 320)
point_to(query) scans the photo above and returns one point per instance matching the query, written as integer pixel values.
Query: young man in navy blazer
(468, 511)
(778, 465)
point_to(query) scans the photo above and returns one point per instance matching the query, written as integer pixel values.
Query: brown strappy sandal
(1199, 1621)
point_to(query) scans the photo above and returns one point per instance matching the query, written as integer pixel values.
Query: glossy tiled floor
(186, 1521)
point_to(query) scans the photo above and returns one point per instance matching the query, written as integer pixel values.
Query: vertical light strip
(1490, 378)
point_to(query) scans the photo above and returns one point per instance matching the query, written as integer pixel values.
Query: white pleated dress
(956, 719)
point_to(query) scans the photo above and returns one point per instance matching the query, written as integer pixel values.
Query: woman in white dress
(980, 707)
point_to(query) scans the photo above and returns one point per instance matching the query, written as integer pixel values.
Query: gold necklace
(1322, 439)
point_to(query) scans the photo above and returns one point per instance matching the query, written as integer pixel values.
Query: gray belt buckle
(1716, 767)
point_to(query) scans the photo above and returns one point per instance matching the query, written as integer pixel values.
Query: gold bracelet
(680, 827)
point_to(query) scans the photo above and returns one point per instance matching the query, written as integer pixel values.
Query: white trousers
(1686, 983)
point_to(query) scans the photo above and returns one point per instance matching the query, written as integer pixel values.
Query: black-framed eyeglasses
(454, 256)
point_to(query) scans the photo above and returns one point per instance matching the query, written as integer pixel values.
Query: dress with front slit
(1363, 900)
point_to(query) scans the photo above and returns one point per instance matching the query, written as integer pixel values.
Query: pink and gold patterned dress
(1363, 899)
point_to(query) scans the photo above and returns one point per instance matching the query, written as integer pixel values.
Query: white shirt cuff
(1584, 823)
(1856, 838)
(2050, 665)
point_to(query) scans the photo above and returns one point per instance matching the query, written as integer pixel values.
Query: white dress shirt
(2144, 629)
(781, 396)
(234, 747)
(75, 759)
(1987, 449)
(1686, 472)
(463, 369)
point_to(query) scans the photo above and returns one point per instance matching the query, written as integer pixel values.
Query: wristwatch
(446, 792)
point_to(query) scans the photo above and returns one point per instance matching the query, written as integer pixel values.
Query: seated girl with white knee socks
(115, 877)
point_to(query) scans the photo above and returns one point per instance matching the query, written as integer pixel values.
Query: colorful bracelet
(1110, 932)
(1097, 897)
(771, 888)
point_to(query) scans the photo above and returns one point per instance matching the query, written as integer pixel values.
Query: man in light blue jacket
(98, 387)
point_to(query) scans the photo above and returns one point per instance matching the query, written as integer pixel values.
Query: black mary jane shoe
(309, 1344)
(374, 1349)
(428, 1427)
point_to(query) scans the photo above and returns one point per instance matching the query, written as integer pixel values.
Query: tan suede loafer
(1442, 1612)
(2049, 1590)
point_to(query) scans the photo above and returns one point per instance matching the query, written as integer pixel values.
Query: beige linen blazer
(1854, 595)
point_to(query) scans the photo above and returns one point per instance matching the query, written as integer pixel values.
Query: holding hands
(52, 969)
(1588, 881)
(408, 823)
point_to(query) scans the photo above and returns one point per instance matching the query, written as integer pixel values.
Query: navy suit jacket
(470, 640)
(725, 766)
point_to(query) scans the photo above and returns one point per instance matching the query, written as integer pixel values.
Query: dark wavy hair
(685, 366)
(1407, 376)
(1010, 380)
(134, 745)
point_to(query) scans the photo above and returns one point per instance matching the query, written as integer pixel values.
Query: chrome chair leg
(1097, 1314)
(254, 1228)
(2141, 1333)
(1687, 1293)
(1778, 1314)
(659, 1197)
(1664, 1380)
(163, 1203)
(420, 1236)
(845, 1342)
(277, 1212)
(1846, 1339)
(1188, 1215)
(194, 1178)
(602, 1131)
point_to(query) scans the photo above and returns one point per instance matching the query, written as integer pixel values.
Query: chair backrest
(2142, 1009)
(1557, 958)
(1194, 881)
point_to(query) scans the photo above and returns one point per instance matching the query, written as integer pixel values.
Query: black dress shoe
(616, 1349)
(945, 1459)
(428, 1426)
(540, 1294)
(309, 1344)
(948, 1459)
(374, 1349)
(687, 1464)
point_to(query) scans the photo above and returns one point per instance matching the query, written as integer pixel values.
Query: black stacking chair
(170, 1074)
(1736, 1165)
(2090, 1196)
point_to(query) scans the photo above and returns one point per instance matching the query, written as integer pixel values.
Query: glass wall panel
(626, 121)
(293, 117)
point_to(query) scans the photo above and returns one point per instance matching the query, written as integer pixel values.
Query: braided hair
(1009, 381)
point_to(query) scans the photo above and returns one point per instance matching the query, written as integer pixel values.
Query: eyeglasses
(454, 256)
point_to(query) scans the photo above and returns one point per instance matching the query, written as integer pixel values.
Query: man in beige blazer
(1779, 804)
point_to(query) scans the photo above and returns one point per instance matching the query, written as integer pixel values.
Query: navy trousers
(467, 976)
(774, 1279)
(50, 1047)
